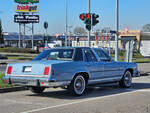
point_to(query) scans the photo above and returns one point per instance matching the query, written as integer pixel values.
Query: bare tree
(1, 34)
(79, 31)
(146, 28)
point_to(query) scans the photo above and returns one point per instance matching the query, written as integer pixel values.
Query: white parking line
(144, 90)
(84, 100)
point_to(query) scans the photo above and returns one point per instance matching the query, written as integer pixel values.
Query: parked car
(72, 67)
(43, 47)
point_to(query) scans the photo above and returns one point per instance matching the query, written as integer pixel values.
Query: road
(102, 99)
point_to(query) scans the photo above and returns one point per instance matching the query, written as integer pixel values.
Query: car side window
(78, 55)
(89, 55)
(103, 56)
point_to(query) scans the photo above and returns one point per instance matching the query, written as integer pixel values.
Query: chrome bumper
(40, 82)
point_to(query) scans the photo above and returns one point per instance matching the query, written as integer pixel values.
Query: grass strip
(2, 84)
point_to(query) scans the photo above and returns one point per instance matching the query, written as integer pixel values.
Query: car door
(111, 68)
(94, 67)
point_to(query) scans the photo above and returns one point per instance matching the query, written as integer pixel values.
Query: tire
(126, 80)
(37, 89)
(78, 85)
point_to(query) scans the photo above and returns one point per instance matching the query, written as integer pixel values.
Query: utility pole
(89, 33)
(32, 36)
(19, 35)
(24, 36)
(117, 29)
(66, 23)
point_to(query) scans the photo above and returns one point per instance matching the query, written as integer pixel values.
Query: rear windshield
(55, 54)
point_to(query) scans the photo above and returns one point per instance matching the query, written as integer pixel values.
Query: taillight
(46, 70)
(6, 81)
(9, 70)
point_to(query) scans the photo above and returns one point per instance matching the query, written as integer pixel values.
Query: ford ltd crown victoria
(73, 68)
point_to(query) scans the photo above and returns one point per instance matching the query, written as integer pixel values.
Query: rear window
(56, 54)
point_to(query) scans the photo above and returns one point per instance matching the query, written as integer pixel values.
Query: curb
(13, 89)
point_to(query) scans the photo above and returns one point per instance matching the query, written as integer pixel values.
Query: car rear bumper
(40, 82)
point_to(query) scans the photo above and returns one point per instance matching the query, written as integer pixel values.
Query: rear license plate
(27, 69)
(32, 83)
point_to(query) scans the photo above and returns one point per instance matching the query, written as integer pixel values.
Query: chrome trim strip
(39, 76)
(106, 70)
(105, 79)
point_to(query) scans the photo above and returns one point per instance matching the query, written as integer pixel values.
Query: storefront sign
(26, 18)
(27, 8)
(26, 1)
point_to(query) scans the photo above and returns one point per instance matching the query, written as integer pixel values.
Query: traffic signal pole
(89, 33)
(117, 29)
(66, 34)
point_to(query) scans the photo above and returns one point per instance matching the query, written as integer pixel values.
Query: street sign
(62, 37)
(26, 18)
(26, 8)
(26, 1)
(45, 25)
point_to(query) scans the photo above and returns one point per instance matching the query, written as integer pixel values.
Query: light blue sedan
(74, 68)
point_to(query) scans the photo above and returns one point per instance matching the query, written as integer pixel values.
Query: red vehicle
(43, 47)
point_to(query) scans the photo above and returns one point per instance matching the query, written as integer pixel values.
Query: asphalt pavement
(99, 99)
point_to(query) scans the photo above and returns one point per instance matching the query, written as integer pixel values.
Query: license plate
(32, 83)
(27, 69)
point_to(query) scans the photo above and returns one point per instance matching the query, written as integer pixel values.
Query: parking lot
(100, 99)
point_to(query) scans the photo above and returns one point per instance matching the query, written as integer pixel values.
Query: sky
(133, 14)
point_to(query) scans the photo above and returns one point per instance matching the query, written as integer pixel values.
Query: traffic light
(94, 19)
(88, 21)
(86, 17)
(82, 16)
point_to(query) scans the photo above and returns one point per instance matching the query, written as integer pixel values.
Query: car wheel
(126, 80)
(78, 85)
(37, 89)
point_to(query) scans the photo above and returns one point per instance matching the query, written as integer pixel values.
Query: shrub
(17, 50)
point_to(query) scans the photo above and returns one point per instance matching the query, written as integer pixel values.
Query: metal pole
(24, 36)
(46, 35)
(32, 36)
(19, 35)
(117, 29)
(66, 22)
(89, 10)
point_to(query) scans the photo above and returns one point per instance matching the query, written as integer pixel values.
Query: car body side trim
(104, 80)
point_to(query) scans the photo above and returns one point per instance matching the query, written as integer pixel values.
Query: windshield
(55, 54)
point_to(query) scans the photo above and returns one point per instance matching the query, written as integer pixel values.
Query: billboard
(26, 8)
(26, 1)
(26, 19)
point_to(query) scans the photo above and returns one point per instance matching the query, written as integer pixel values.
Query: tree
(1, 33)
(79, 31)
(146, 28)
(1, 29)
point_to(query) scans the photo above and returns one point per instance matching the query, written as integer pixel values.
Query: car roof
(69, 47)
